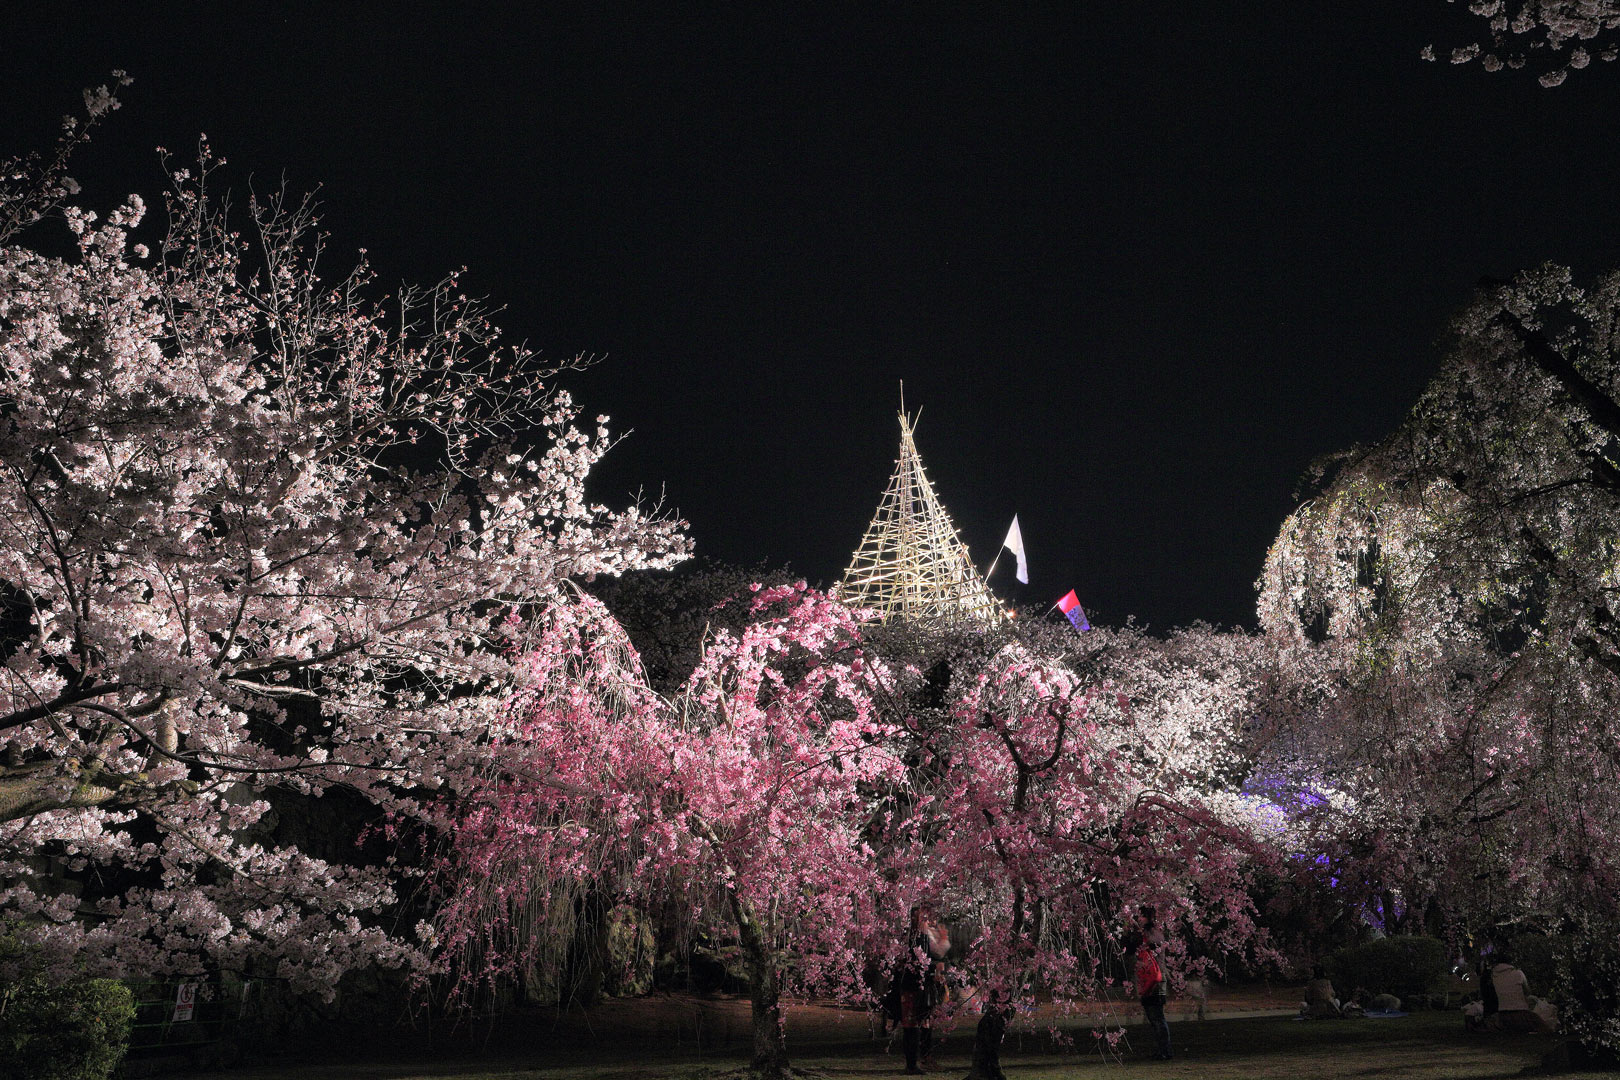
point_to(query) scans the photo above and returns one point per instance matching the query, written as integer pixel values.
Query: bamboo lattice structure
(911, 561)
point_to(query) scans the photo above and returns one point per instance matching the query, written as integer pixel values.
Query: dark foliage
(670, 613)
(1406, 966)
(76, 1031)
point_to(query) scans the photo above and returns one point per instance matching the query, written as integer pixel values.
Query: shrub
(76, 1031)
(1588, 987)
(1407, 967)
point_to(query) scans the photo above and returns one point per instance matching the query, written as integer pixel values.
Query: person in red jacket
(1150, 988)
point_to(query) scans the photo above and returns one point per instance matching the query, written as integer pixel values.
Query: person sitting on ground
(1321, 1003)
(1512, 997)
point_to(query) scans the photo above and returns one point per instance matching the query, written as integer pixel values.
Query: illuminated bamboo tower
(911, 561)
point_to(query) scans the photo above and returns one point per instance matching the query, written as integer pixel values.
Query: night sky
(1138, 262)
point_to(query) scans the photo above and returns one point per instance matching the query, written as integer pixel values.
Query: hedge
(1407, 967)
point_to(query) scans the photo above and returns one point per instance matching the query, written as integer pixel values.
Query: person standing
(1487, 996)
(921, 985)
(1150, 988)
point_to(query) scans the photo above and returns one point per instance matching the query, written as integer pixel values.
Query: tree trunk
(770, 1047)
(765, 994)
(987, 1045)
(587, 957)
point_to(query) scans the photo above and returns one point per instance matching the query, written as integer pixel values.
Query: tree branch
(1599, 406)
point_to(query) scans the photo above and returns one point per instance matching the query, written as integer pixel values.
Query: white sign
(185, 1001)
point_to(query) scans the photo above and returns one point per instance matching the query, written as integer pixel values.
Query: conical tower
(911, 561)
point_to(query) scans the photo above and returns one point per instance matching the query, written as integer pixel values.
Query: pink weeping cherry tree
(1045, 807)
(742, 799)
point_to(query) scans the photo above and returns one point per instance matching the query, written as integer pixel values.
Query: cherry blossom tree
(261, 533)
(1452, 589)
(1043, 805)
(742, 799)
(1553, 36)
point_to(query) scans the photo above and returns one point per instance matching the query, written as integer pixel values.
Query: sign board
(185, 1003)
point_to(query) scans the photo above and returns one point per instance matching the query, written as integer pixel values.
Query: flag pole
(993, 562)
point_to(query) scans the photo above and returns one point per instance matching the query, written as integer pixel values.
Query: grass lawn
(694, 1039)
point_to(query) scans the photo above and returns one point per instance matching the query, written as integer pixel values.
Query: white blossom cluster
(1447, 606)
(259, 534)
(1567, 35)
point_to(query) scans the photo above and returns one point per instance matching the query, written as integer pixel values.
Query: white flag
(1015, 544)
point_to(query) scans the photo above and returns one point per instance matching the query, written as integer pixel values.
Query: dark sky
(1139, 262)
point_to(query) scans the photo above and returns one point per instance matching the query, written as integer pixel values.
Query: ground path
(1248, 1035)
